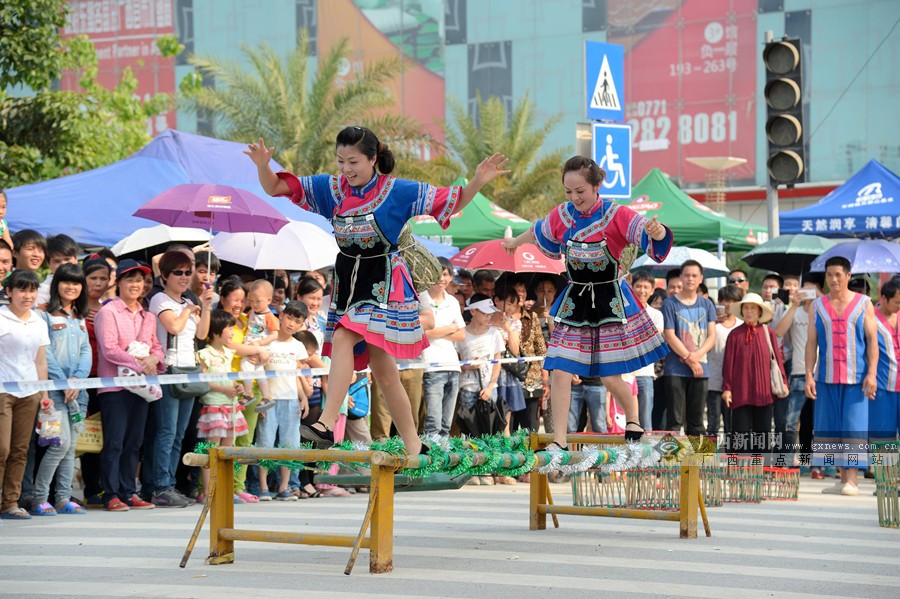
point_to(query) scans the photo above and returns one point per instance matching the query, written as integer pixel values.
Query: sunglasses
(736, 280)
(182, 273)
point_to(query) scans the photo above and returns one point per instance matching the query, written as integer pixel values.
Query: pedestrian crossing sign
(604, 67)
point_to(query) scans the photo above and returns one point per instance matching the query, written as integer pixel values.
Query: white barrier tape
(31, 387)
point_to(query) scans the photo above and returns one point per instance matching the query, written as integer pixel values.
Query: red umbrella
(493, 256)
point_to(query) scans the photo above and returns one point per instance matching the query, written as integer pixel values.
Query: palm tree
(276, 99)
(532, 187)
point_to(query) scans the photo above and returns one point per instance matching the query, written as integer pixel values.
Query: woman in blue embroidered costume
(373, 317)
(601, 329)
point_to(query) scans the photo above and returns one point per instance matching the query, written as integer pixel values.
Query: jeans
(795, 402)
(440, 390)
(282, 421)
(645, 401)
(171, 417)
(57, 460)
(594, 398)
(467, 397)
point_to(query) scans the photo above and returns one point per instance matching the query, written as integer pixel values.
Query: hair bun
(384, 160)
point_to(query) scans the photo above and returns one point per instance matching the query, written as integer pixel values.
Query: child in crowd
(221, 418)
(6, 259)
(279, 296)
(262, 330)
(285, 353)
(29, 250)
(4, 227)
(61, 249)
(68, 357)
(206, 267)
(316, 385)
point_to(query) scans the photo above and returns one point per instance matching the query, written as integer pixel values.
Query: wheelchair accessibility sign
(611, 149)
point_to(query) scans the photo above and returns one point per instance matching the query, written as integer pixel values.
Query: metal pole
(772, 210)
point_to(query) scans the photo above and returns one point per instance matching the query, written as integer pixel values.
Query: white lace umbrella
(297, 246)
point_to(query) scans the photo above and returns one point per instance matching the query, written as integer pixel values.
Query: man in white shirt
(794, 328)
(441, 383)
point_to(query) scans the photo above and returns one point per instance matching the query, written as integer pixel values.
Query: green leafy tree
(300, 113)
(533, 186)
(31, 51)
(50, 133)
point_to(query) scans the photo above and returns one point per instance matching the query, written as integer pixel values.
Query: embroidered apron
(365, 260)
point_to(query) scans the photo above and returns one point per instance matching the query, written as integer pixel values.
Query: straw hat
(756, 300)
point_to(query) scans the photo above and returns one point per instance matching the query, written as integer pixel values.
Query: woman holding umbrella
(373, 316)
(600, 327)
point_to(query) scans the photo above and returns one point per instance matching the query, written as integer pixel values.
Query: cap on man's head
(128, 265)
(487, 306)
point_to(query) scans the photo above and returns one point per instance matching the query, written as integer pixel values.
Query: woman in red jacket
(746, 380)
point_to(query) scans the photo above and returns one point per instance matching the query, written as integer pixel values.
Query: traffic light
(786, 161)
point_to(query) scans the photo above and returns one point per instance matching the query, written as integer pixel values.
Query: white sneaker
(475, 480)
(487, 480)
(834, 489)
(849, 489)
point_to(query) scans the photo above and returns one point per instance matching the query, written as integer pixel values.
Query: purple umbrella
(866, 256)
(213, 207)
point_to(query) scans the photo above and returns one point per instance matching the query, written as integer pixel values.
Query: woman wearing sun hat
(746, 380)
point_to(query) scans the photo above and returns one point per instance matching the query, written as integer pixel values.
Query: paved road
(473, 542)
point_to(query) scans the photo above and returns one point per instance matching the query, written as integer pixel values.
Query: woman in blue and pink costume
(373, 317)
(601, 329)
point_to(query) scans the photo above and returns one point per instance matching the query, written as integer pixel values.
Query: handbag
(779, 388)
(359, 391)
(517, 370)
(189, 389)
(424, 268)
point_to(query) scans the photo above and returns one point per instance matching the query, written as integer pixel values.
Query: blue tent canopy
(95, 207)
(866, 205)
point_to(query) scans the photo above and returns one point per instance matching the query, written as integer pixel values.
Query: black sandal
(560, 447)
(321, 439)
(633, 435)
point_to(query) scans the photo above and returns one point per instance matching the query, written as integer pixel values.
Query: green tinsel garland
(295, 465)
(493, 446)
(203, 448)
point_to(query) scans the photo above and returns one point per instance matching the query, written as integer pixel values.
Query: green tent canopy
(481, 220)
(694, 224)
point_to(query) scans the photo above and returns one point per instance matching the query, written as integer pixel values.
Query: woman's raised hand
(259, 153)
(655, 229)
(491, 168)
